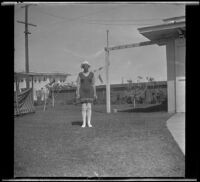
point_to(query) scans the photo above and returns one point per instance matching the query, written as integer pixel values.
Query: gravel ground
(52, 144)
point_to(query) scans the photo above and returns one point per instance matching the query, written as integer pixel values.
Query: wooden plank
(16, 95)
(53, 97)
(107, 83)
(107, 65)
(131, 45)
(32, 88)
(27, 23)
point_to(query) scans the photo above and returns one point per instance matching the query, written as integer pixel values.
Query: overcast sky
(67, 34)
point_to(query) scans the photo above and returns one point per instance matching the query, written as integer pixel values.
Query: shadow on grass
(155, 108)
(78, 123)
(99, 111)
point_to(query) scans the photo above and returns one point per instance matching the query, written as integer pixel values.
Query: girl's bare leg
(84, 108)
(89, 114)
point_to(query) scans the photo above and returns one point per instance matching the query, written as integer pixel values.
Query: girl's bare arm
(78, 86)
(94, 86)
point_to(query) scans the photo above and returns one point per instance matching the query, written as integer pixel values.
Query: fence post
(16, 95)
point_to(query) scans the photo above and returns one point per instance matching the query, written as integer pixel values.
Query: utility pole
(26, 32)
(107, 64)
(122, 80)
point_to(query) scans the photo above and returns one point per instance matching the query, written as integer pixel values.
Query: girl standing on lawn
(86, 92)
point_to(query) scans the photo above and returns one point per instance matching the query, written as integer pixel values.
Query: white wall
(170, 53)
(175, 52)
(180, 74)
(171, 96)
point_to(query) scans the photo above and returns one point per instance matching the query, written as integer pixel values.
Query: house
(36, 80)
(171, 34)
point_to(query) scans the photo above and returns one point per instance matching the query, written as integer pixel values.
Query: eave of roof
(165, 26)
(174, 18)
(162, 31)
(42, 74)
(33, 74)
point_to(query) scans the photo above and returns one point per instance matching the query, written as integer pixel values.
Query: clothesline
(90, 57)
(95, 71)
(85, 57)
(53, 83)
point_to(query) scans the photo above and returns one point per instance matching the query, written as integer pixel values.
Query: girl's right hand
(77, 96)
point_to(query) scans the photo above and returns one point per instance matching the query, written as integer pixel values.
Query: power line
(123, 20)
(70, 19)
(118, 24)
(50, 14)
(100, 21)
(92, 22)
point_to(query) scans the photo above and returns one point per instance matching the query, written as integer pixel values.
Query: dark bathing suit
(86, 88)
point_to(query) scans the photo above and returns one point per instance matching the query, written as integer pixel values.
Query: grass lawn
(53, 144)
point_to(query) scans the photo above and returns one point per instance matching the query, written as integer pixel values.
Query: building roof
(20, 75)
(170, 29)
(174, 19)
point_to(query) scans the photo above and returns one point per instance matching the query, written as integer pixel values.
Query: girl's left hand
(95, 97)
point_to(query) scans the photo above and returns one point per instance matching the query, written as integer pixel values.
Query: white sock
(89, 114)
(84, 114)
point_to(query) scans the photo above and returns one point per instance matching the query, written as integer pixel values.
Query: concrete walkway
(176, 125)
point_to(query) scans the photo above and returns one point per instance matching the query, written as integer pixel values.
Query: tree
(135, 91)
(150, 79)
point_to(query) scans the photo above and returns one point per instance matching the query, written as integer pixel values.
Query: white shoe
(83, 126)
(89, 125)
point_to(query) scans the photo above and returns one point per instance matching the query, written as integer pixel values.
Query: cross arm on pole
(27, 23)
(129, 45)
(134, 45)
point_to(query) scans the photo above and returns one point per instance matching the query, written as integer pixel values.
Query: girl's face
(85, 68)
